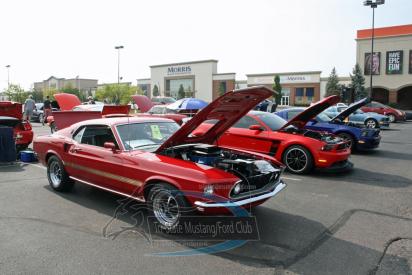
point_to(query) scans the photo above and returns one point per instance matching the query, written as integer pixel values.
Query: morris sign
(179, 70)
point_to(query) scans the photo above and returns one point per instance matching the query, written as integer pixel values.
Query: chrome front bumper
(279, 187)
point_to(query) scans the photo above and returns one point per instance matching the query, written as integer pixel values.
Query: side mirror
(256, 127)
(110, 145)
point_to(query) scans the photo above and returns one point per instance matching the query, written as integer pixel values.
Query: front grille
(255, 184)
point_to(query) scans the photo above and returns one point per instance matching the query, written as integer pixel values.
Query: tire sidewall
(309, 159)
(350, 137)
(371, 119)
(179, 197)
(65, 183)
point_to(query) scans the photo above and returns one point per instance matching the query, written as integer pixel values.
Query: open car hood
(143, 102)
(301, 119)
(352, 108)
(11, 109)
(67, 101)
(227, 109)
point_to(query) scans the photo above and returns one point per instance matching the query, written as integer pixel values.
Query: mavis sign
(179, 70)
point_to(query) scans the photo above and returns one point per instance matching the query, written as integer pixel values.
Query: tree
(332, 86)
(156, 91)
(181, 92)
(358, 83)
(16, 93)
(278, 88)
(222, 88)
(37, 95)
(117, 94)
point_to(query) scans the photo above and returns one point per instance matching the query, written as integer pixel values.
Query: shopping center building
(391, 65)
(199, 79)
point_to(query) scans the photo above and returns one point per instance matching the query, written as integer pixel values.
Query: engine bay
(322, 136)
(254, 174)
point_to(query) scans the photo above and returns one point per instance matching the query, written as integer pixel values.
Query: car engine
(255, 175)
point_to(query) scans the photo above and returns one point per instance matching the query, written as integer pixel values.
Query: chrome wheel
(371, 123)
(391, 118)
(296, 160)
(55, 174)
(166, 208)
(348, 139)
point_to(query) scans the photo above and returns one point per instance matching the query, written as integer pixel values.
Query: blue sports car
(371, 120)
(359, 137)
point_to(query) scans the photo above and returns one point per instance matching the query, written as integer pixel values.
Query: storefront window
(304, 95)
(172, 86)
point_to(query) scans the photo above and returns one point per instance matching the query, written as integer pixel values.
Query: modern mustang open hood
(11, 109)
(67, 101)
(301, 119)
(352, 108)
(143, 102)
(227, 110)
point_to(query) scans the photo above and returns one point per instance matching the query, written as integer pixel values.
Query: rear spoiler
(63, 119)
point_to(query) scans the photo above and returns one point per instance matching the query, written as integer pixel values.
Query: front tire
(348, 138)
(298, 159)
(56, 174)
(371, 123)
(168, 205)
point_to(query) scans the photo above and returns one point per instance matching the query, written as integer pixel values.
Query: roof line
(184, 63)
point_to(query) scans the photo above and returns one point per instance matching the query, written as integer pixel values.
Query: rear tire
(56, 174)
(298, 159)
(168, 205)
(392, 118)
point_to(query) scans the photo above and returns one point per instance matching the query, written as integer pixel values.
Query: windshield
(322, 117)
(146, 136)
(273, 121)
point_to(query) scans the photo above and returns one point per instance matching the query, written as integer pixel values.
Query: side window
(96, 135)
(292, 114)
(78, 135)
(245, 122)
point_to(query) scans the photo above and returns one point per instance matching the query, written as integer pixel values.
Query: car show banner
(376, 62)
(394, 62)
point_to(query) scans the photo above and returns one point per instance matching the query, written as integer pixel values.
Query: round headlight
(208, 190)
(236, 189)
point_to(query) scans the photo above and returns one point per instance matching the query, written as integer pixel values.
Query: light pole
(118, 48)
(8, 76)
(373, 5)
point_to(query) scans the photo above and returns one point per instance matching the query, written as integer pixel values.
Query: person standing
(29, 106)
(46, 109)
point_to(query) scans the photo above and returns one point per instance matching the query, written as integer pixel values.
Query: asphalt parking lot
(356, 223)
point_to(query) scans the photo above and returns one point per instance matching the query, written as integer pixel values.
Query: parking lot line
(295, 179)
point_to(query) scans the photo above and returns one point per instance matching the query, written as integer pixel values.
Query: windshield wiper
(146, 145)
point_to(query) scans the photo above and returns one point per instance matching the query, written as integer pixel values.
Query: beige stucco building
(82, 84)
(392, 63)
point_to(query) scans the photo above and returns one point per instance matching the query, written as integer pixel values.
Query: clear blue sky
(68, 38)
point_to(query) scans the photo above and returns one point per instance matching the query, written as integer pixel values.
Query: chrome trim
(108, 189)
(277, 189)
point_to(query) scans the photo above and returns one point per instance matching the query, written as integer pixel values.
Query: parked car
(359, 137)
(393, 114)
(11, 116)
(148, 109)
(153, 160)
(370, 119)
(299, 149)
(162, 100)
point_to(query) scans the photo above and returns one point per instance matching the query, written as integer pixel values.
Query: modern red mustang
(299, 149)
(11, 116)
(153, 160)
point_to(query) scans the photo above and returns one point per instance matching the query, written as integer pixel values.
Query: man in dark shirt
(46, 109)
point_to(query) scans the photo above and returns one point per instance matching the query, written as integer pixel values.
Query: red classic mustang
(11, 116)
(150, 159)
(299, 149)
